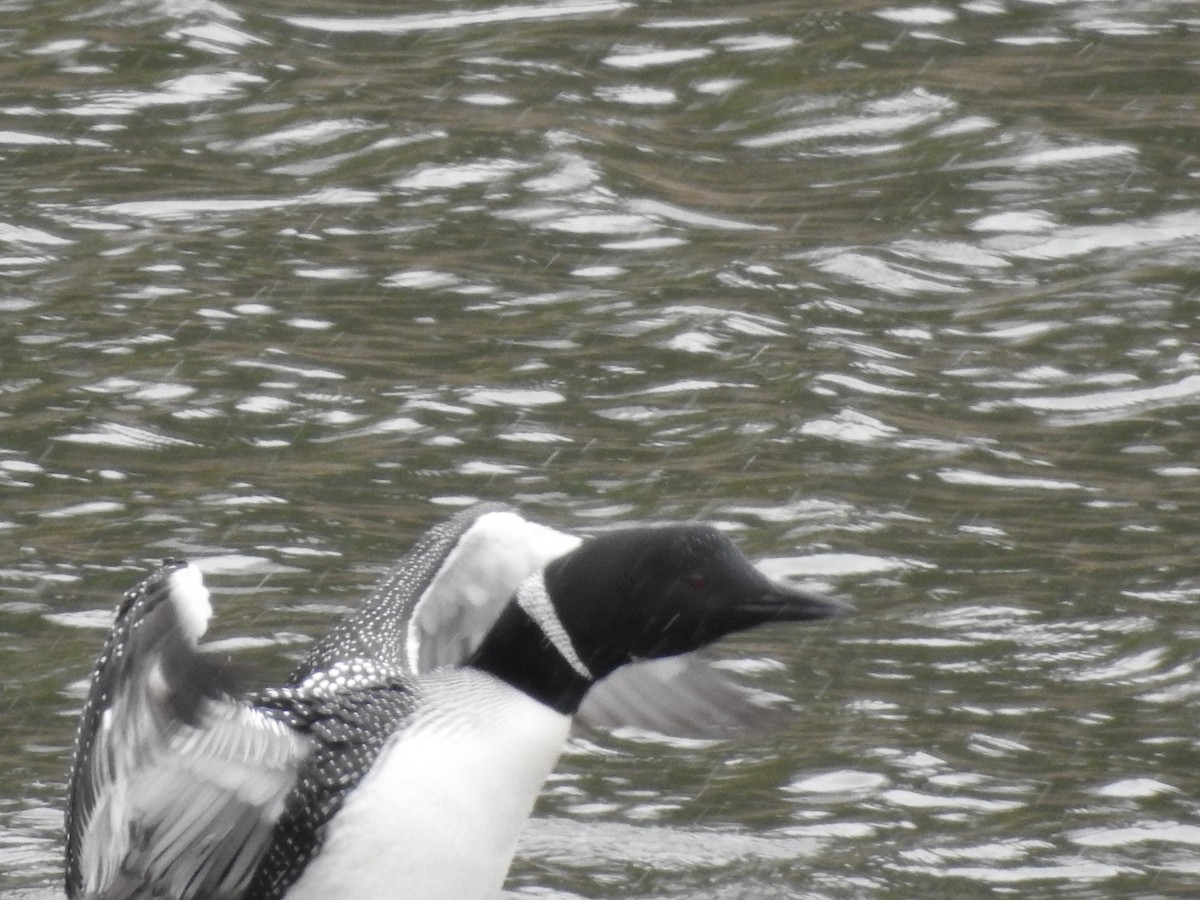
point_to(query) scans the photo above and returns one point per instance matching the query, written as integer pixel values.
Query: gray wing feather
(477, 579)
(679, 696)
(176, 786)
(434, 606)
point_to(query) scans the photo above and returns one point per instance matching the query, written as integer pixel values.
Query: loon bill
(402, 757)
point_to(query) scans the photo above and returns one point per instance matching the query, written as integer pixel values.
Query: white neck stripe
(532, 597)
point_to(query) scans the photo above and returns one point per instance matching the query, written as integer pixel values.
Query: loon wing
(685, 696)
(175, 786)
(434, 606)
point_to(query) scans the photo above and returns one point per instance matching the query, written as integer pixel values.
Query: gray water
(904, 297)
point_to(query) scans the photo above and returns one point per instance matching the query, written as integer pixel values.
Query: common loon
(403, 756)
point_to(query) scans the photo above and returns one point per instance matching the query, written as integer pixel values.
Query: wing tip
(189, 596)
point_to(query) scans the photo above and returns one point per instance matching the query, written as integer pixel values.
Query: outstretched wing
(435, 605)
(686, 696)
(175, 786)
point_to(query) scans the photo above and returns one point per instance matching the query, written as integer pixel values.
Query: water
(903, 296)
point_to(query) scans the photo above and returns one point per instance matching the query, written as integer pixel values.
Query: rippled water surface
(905, 297)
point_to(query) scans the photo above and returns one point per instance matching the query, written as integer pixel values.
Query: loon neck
(518, 652)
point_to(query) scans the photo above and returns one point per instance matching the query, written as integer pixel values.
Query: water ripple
(114, 434)
(403, 24)
(902, 296)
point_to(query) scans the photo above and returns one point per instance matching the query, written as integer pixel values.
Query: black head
(652, 592)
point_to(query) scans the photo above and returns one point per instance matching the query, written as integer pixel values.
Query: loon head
(650, 592)
(632, 595)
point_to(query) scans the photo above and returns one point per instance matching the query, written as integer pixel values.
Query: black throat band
(517, 651)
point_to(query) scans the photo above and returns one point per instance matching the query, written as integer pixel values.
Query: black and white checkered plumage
(403, 755)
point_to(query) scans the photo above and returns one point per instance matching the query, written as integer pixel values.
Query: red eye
(697, 580)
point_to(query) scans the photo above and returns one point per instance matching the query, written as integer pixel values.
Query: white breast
(438, 816)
